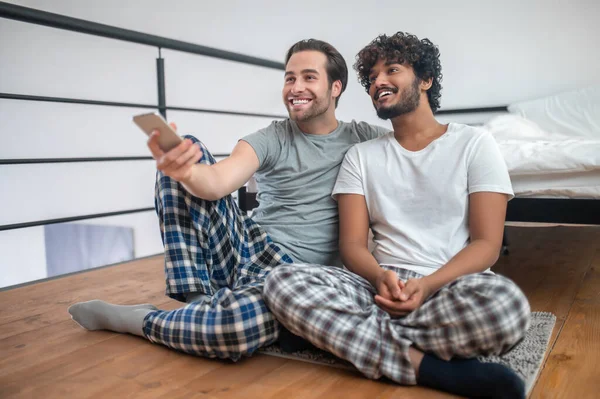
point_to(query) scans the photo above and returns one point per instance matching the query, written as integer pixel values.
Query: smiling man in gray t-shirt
(295, 178)
(217, 257)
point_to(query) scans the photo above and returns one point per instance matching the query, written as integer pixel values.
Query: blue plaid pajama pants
(476, 315)
(212, 248)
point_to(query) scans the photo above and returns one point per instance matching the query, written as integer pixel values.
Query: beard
(318, 106)
(408, 102)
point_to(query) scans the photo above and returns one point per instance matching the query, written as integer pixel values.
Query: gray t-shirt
(295, 179)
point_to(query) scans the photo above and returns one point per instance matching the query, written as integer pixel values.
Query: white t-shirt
(418, 201)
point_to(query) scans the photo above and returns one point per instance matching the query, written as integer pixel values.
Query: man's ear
(426, 84)
(336, 88)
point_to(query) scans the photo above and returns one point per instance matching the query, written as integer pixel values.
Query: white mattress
(547, 165)
(553, 169)
(558, 185)
(542, 157)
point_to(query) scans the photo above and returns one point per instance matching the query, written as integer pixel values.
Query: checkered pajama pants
(479, 314)
(213, 248)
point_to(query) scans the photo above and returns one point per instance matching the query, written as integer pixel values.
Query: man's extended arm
(209, 182)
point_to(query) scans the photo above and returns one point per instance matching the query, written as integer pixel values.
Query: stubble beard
(408, 102)
(318, 107)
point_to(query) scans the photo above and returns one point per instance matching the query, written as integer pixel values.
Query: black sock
(289, 342)
(471, 378)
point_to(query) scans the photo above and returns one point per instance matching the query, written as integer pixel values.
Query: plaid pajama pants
(478, 314)
(212, 248)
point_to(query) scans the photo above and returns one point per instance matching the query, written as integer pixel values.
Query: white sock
(100, 315)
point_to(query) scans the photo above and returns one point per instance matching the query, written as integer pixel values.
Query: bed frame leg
(504, 250)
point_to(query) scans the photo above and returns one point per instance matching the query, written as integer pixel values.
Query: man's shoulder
(467, 134)
(365, 130)
(468, 131)
(371, 147)
(280, 126)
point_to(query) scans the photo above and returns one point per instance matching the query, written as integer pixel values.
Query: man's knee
(207, 157)
(504, 309)
(194, 140)
(516, 317)
(278, 282)
(237, 327)
(291, 286)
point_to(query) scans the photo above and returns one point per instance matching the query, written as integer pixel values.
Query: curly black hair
(403, 48)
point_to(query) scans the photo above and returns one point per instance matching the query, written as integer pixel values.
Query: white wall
(23, 255)
(492, 54)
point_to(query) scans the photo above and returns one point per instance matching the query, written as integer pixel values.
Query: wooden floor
(45, 354)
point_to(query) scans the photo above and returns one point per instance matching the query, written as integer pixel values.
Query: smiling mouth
(298, 102)
(383, 94)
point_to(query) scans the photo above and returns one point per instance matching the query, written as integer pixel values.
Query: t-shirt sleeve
(487, 169)
(370, 132)
(267, 145)
(349, 179)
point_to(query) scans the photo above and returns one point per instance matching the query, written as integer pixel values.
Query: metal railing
(33, 16)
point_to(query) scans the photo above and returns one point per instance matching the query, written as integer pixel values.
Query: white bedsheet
(547, 165)
(550, 157)
(558, 185)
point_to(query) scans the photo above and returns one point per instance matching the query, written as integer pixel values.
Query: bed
(551, 146)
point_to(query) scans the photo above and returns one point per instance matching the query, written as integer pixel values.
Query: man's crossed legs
(216, 259)
(478, 314)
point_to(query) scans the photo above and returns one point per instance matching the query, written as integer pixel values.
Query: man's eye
(309, 77)
(289, 80)
(372, 79)
(392, 70)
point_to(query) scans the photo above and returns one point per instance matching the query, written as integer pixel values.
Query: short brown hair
(336, 64)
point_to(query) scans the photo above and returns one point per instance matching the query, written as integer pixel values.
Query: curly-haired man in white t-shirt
(423, 305)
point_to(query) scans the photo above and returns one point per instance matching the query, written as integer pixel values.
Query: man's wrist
(376, 276)
(432, 283)
(188, 180)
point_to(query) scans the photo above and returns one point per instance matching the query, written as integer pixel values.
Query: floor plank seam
(564, 321)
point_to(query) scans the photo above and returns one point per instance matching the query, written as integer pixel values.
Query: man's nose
(298, 87)
(381, 81)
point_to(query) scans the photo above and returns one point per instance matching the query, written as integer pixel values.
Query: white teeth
(384, 93)
(297, 102)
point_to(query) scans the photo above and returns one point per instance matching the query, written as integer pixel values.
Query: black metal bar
(32, 15)
(11, 96)
(160, 78)
(214, 111)
(70, 160)
(501, 108)
(554, 210)
(26, 97)
(71, 219)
